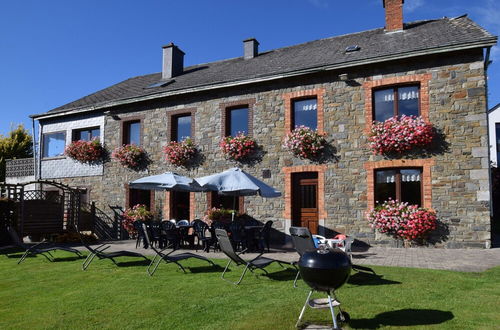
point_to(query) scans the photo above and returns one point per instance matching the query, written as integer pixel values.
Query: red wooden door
(305, 200)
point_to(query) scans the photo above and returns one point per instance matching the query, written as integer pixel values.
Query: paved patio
(467, 260)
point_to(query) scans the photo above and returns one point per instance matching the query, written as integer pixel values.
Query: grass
(41, 295)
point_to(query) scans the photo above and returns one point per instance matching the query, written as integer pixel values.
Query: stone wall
(459, 170)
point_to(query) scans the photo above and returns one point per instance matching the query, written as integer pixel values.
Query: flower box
(304, 142)
(400, 134)
(180, 153)
(238, 147)
(88, 152)
(129, 155)
(402, 221)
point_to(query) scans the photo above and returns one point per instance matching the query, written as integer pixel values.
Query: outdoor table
(252, 240)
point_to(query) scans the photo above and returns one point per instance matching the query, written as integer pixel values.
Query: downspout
(487, 63)
(34, 148)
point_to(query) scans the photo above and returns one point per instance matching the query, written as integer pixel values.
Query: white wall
(494, 118)
(65, 167)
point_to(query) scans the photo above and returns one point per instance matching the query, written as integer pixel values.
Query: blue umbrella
(236, 182)
(166, 181)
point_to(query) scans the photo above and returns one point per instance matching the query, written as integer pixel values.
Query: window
(237, 121)
(181, 127)
(407, 102)
(53, 144)
(132, 132)
(86, 134)
(404, 185)
(305, 113)
(497, 132)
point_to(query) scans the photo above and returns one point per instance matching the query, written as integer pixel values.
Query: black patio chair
(37, 248)
(169, 257)
(100, 253)
(154, 231)
(200, 232)
(303, 242)
(238, 237)
(171, 234)
(258, 262)
(140, 234)
(263, 236)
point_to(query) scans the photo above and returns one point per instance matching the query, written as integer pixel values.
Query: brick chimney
(250, 48)
(393, 15)
(173, 61)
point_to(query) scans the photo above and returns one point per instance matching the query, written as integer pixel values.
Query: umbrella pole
(234, 207)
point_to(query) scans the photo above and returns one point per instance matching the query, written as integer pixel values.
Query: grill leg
(332, 311)
(303, 309)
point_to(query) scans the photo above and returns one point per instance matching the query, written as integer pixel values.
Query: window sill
(54, 158)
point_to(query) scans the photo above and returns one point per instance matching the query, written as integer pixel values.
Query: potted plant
(238, 147)
(130, 155)
(85, 151)
(303, 142)
(133, 214)
(219, 214)
(180, 153)
(400, 134)
(402, 221)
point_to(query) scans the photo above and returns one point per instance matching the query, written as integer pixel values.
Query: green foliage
(18, 144)
(38, 294)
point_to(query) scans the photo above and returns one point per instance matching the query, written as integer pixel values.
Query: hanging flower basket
(222, 215)
(402, 221)
(129, 155)
(85, 151)
(238, 147)
(180, 153)
(131, 215)
(397, 135)
(304, 142)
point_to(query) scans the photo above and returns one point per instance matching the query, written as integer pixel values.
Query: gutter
(482, 44)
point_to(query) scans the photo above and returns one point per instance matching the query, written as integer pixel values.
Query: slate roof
(418, 38)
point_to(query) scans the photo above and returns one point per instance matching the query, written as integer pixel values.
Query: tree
(18, 144)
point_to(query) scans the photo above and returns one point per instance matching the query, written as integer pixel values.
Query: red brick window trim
(288, 171)
(289, 98)
(228, 106)
(415, 79)
(172, 115)
(425, 164)
(151, 205)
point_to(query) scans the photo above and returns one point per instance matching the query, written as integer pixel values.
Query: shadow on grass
(283, 275)
(403, 317)
(133, 263)
(369, 279)
(68, 259)
(206, 269)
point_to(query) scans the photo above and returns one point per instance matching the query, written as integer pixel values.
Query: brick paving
(467, 260)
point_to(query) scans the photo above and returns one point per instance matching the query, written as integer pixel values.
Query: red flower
(129, 155)
(179, 153)
(85, 151)
(238, 147)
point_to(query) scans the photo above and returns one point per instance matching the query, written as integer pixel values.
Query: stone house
(339, 85)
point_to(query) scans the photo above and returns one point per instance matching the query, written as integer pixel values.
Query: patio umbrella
(166, 181)
(236, 182)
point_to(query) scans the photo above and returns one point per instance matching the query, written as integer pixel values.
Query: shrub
(304, 142)
(131, 215)
(129, 155)
(85, 151)
(238, 147)
(180, 153)
(397, 135)
(402, 221)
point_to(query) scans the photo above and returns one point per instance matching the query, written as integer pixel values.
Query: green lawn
(39, 294)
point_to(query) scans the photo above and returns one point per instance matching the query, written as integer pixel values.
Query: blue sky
(55, 51)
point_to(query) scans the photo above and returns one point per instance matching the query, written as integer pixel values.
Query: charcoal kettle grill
(325, 270)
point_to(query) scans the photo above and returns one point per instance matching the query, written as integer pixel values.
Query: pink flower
(400, 134)
(129, 155)
(238, 147)
(180, 153)
(85, 151)
(304, 142)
